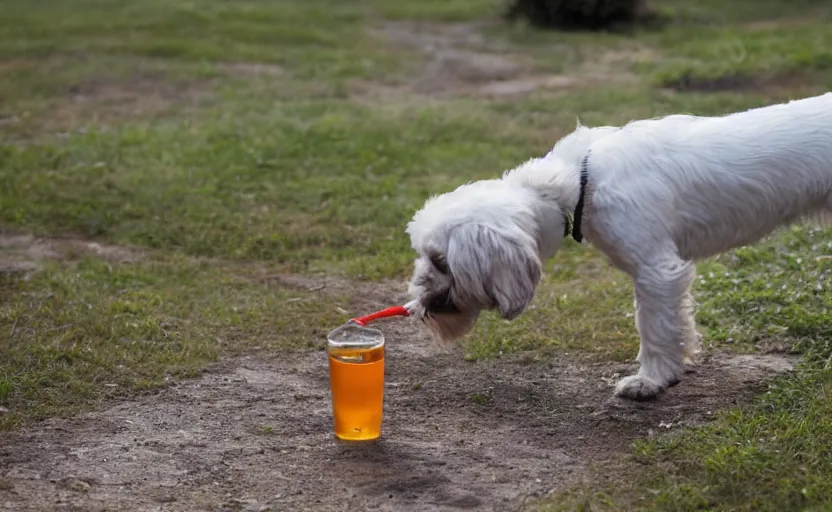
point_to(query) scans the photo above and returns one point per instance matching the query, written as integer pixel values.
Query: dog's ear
(493, 269)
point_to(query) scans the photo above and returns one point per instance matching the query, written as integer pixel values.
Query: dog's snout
(442, 303)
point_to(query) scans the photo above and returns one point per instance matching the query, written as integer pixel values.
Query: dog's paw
(639, 387)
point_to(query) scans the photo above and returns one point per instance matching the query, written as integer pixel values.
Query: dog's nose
(442, 303)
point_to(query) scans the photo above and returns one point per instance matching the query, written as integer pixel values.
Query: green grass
(779, 289)
(283, 166)
(223, 139)
(439, 10)
(87, 329)
(585, 315)
(771, 455)
(294, 185)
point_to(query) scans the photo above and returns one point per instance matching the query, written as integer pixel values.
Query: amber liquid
(356, 378)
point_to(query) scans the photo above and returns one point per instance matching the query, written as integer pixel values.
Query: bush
(578, 14)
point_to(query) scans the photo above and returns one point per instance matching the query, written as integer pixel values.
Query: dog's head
(479, 248)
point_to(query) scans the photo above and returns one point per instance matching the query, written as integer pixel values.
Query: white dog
(654, 196)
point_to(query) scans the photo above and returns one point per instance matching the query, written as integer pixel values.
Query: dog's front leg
(660, 289)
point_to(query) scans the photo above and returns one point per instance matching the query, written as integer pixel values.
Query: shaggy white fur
(661, 194)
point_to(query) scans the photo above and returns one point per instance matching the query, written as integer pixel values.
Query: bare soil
(24, 253)
(106, 98)
(459, 60)
(255, 433)
(141, 95)
(765, 82)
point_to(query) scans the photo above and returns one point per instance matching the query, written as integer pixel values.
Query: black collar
(575, 224)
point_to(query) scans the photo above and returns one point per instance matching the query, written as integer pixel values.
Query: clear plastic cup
(356, 377)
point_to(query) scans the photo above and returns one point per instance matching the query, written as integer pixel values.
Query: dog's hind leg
(690, 338)
(665, 325)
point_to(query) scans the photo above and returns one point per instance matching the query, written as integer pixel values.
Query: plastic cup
(356, 378)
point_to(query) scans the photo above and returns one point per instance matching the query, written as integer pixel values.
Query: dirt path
(254, 434)
(460, 59)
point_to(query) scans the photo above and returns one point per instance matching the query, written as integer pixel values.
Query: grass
(282, 168)
(86, 330)
(224, 140)
(773, 454)
(778, 289)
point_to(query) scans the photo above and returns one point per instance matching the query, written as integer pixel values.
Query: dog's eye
(438, 261)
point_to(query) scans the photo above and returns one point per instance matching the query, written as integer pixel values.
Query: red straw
(384, 313)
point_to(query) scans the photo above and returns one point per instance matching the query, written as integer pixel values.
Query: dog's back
(721, 182)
